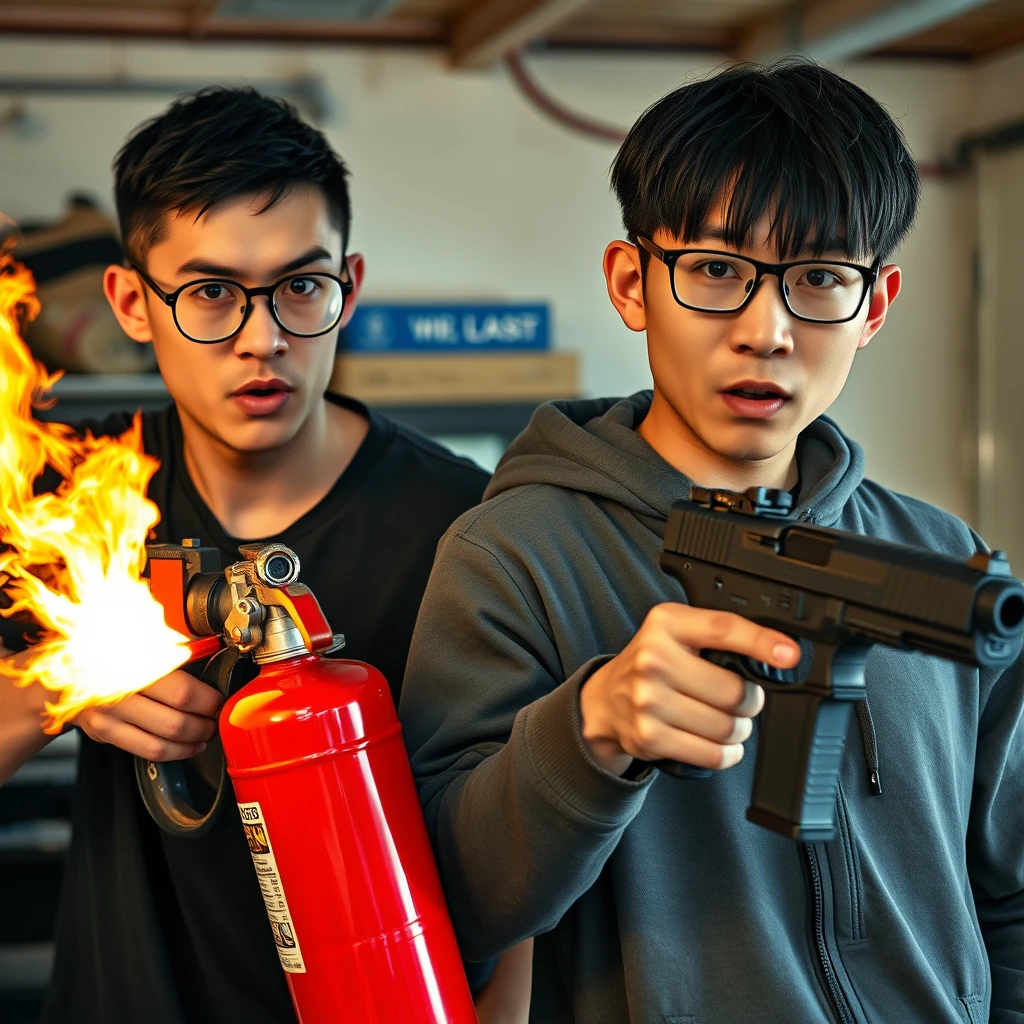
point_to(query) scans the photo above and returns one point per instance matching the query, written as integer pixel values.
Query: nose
(260, 336)
(764, 326)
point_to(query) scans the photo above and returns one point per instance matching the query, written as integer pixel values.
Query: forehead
(243, 232)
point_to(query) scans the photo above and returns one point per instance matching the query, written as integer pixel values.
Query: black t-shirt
(155, 929)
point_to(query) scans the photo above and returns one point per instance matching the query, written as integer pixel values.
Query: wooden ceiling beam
(197, 18)
(843, 29)
(579, 34)
(792, 28)
(490, 29)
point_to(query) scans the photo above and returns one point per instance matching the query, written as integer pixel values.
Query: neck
(259, 494)
(679, 445)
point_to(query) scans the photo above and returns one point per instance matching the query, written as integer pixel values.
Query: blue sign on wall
(448, 327)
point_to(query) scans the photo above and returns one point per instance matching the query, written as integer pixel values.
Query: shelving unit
(82, 397)
(35, 830)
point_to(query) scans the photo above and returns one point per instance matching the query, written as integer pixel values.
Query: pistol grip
(799, 754)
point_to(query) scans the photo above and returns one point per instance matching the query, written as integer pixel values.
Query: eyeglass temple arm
(654, 250)
(152, 285)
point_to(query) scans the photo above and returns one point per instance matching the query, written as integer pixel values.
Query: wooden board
(498, 377)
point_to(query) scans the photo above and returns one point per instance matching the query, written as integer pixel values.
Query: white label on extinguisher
(273, 891)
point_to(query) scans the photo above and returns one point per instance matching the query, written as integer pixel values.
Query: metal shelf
(93, 396)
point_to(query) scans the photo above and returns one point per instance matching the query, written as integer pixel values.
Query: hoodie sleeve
(995, 845)
(521, 817)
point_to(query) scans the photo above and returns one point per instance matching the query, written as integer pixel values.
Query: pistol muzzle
(1000, 608)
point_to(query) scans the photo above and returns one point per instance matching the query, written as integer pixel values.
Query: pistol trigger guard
(753, 671)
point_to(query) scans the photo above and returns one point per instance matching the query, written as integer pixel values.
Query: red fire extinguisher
(314, 750)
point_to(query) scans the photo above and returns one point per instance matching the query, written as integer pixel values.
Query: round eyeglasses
(818, 291)
(215, 309)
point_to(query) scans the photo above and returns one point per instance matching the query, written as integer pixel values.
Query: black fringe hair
(793, 141)
(213, 145)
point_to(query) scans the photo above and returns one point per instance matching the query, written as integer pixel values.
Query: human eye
(716, 269)
(822, 278)
(211, 291)
(301, 287)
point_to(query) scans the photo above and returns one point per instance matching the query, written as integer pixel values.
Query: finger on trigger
(785, 653)
(727, 631)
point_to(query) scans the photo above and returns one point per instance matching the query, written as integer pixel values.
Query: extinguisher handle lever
(187, 798)
(227, 615)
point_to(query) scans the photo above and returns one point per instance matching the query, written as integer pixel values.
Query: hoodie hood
(592, 446)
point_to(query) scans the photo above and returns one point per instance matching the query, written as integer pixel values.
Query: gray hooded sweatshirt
(654, 900)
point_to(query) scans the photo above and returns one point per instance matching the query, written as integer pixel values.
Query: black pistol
(839, 593)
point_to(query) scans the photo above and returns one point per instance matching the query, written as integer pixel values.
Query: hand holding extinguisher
(314, 751)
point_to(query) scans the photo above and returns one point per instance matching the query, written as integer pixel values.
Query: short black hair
(213, 145)
(792, 140)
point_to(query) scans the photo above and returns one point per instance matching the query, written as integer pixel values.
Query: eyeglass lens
(818, 291)
(214, 310)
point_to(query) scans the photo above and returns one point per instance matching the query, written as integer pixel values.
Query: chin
(751, 453)
(750, 444)
(258, 437)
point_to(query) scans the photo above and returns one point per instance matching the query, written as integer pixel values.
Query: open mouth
(262, 397)
(751, 399)
(757, 390)
(755, 394)
(263, 388)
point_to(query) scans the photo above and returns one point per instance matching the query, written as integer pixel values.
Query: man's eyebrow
(201, 265)
(317, 254)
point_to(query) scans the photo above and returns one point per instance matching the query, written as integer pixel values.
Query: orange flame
(74, 557)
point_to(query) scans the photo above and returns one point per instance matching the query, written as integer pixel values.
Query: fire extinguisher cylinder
(328, 805)
(330, 810)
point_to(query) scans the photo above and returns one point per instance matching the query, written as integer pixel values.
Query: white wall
(999, 90)
(461, 189)
(1001, 352)
(910, 397)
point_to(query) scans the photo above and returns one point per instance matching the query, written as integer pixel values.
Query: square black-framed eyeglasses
(302, 315)
(716, 281)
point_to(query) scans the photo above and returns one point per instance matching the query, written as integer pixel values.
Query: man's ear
(623, 274)
(883, 295)
(123, 290)
(356, 272)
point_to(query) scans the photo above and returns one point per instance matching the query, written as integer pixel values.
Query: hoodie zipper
(824, 959)
(839, 1004)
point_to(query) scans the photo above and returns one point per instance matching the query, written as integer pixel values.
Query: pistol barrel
(821, 583)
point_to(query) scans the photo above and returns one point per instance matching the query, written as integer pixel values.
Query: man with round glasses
(214, 309)
(235, 222)
(553, 660)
